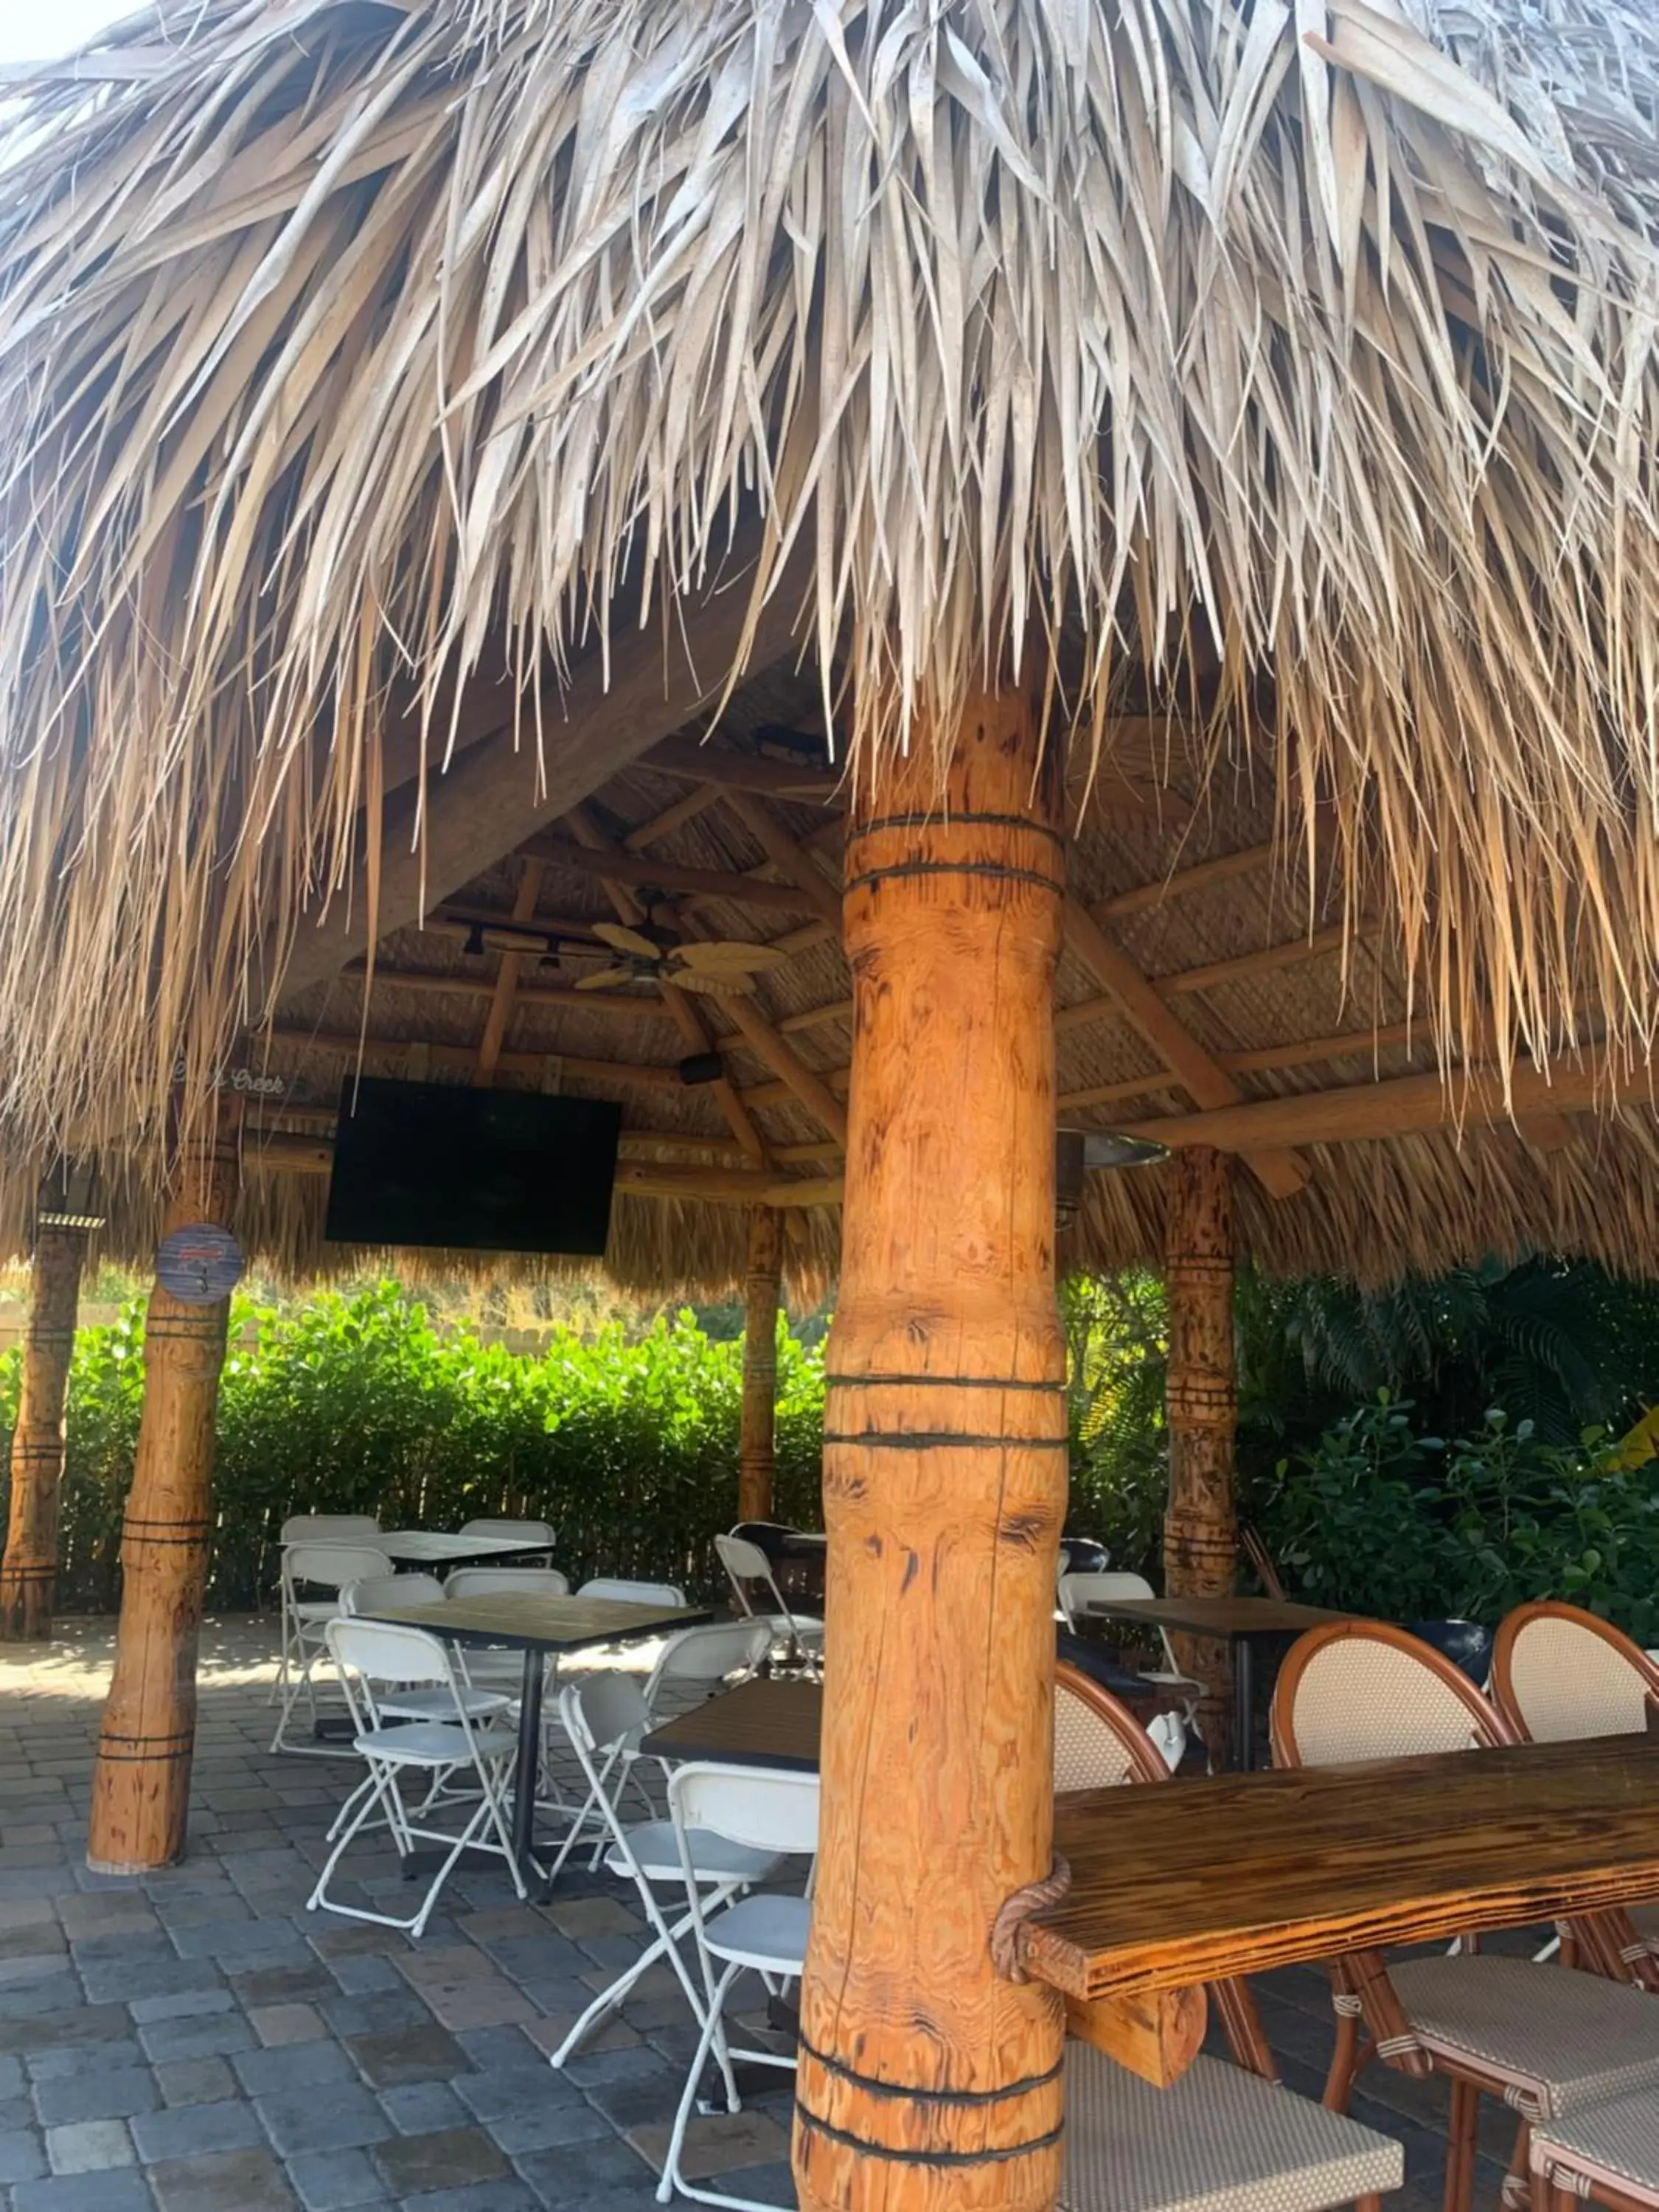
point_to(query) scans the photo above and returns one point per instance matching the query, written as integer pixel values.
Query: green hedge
(357, 1404)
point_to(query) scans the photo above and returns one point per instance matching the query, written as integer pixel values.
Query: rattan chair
(1224, 2138)
(1548, 2040)
(1559, 1673)
(1608, 2154)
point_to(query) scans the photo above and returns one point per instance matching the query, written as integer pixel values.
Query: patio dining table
(438, 1547)
(1232, 1874)
(537, 1626)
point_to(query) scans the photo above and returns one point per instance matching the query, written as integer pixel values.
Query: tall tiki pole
(1200, 1529)
(141, 1783)
(763, 1289)
(28, 1573)
(925, 2080)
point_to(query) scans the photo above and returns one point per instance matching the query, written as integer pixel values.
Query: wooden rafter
(1206, 1082)
(1403, 1105)
(506, 980)
(684, 810)
(1266, 960)
(786, 852)
(483, 808)
(628, 1072)
(635, 871)
(447, 984)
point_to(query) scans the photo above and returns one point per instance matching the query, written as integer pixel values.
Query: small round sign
(199, 1265)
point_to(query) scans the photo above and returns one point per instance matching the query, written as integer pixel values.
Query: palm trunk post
(926, 2081)
(29, 1574)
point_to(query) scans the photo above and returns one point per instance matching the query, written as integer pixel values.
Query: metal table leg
(527, 1773)
(1243, 1703)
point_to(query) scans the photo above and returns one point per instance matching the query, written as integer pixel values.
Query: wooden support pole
(141, 1782)
(28, 1573)
(762, 1289)
(926, 2081)
(1200, 1529)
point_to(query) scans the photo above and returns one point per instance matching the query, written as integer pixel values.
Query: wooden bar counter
(1241, 1871)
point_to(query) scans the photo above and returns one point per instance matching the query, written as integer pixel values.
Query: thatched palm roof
(369, 375)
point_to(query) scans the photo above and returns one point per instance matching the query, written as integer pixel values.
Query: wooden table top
(760, 1724)
(437, 1548)
(1181, 1884)
(1215, 1616)
(541, 1624)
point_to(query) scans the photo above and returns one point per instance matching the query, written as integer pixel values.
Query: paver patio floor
(196, 2041)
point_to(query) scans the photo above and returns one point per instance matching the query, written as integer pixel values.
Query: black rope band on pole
(174, 1523)
(49, 1448)
(993, 869)
(940, 1382)
(146, 1757)
(1035, 1897)
(953, 821)
(941, 1440)
(28, 1571)
(964, 2098)
(952, 2158)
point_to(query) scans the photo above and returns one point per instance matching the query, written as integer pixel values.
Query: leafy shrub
(1383, 1519)
(357, 1404)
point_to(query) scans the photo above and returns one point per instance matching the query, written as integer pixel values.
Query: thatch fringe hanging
(1300, 355)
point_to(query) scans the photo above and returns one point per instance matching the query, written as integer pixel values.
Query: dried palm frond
(1300, 357)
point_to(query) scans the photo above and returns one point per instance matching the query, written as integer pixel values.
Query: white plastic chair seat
(440, 1705)
(1615, 2145)
(1551, 2039)
(434, 1743)
(657, 1854)
(768, 1933)
(316, 1608)
(1220, 2140)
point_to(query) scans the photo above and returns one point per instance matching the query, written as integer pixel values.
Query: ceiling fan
(722, 968)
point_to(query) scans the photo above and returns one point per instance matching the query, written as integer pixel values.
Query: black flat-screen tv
(437, 1163)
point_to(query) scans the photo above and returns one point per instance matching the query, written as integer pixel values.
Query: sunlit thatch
(1301, 358)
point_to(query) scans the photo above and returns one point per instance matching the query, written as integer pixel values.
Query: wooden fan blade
(728, 958)
(603, 979)
(621, 939)
(712, 985)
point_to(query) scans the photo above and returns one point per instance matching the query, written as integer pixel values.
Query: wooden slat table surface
(541, 1624)
(760, 1724)
(1241, 1872)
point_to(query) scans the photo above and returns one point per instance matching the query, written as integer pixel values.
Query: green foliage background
(1438, 1449)
(627, 1444)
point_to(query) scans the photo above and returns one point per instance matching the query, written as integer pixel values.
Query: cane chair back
(506, 1582)
(1558, 1673)
(1360, 1690)
(1098, 1743)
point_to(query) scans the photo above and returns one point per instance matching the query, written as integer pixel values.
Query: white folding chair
(329, 1565)
(745, 1563)
(603, 1717)
(305, 1529)
(506, 1582)
(631, 1593)
(1077, 1591)
(517, 1531)
(384, 1593)
(703, 1660)
(768, 1813)
(368, 1655)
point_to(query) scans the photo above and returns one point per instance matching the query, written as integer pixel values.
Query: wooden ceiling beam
(1180, 881)
(808, 1086)
(456, 920)
(637, 871)
(786, 853)
(728, 771)
(1306, 1051)
(1402, 1105)
(812, 1017)
(626, 1072)
(428, 983)
(503, 997)
(613, 709)
(1268, 961)
(695, 802)
(1207, 1084)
